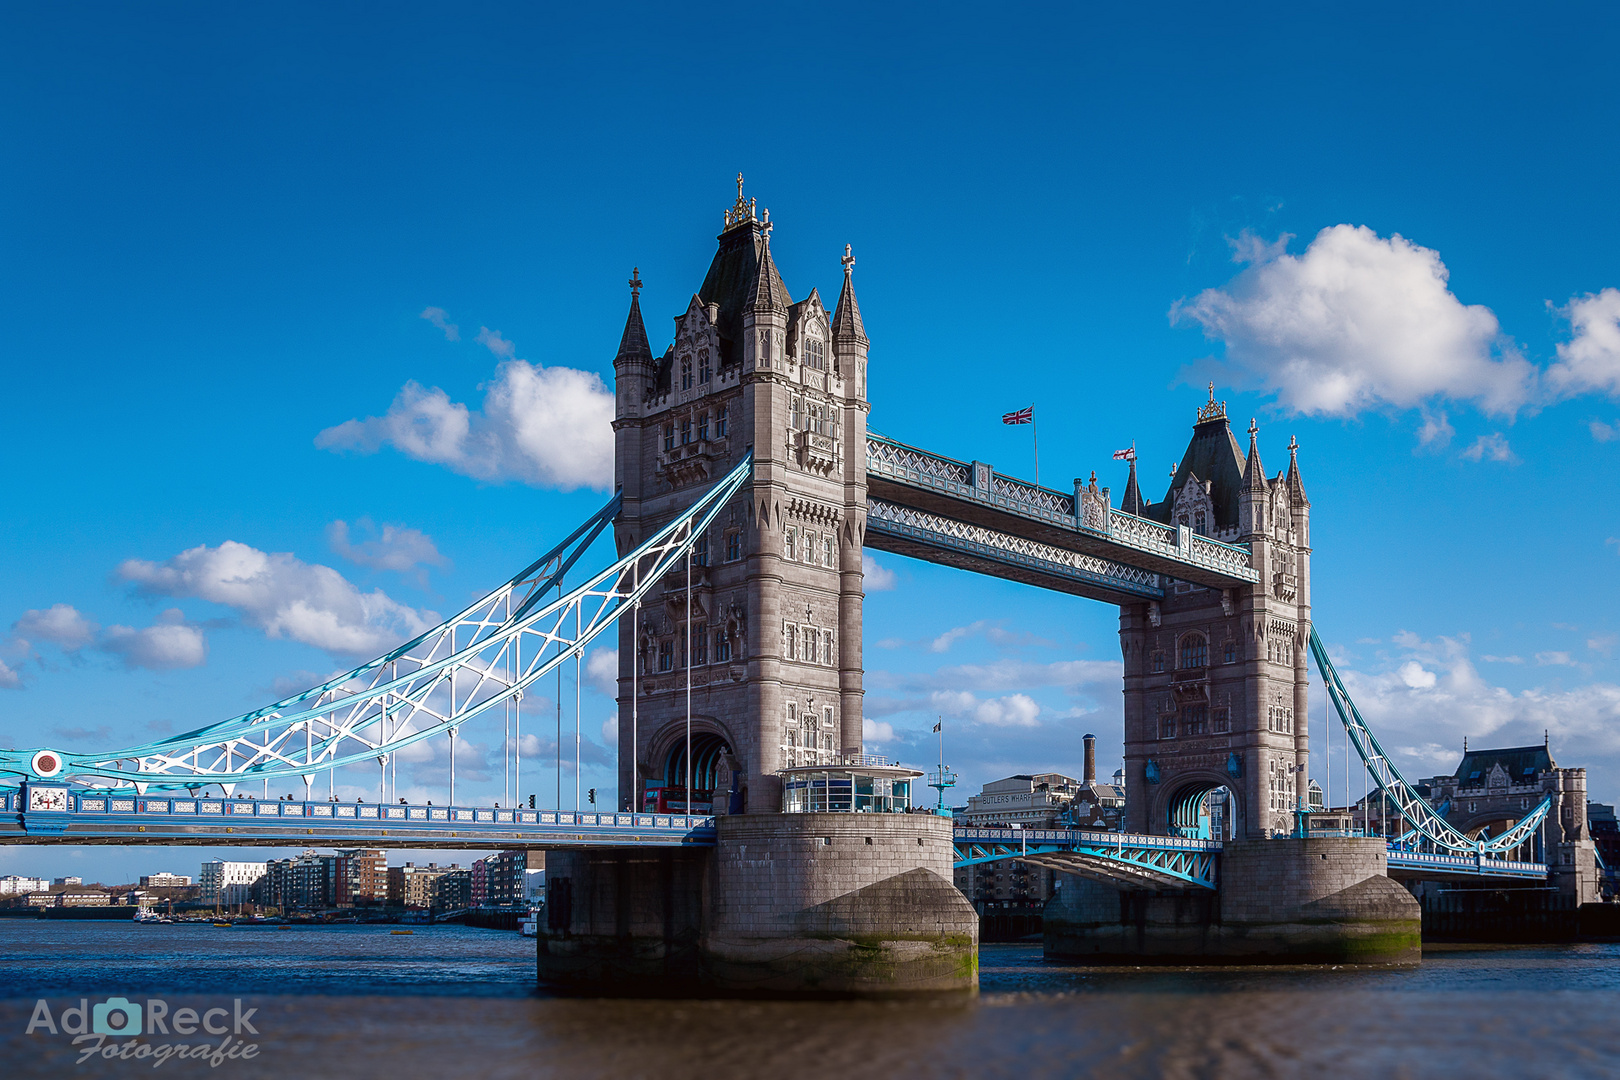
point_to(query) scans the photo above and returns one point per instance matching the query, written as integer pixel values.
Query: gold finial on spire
(848, 260)
(1212, 410)
(743, 210)
(635, 281)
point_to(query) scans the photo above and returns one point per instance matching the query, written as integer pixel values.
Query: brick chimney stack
(1091, 760)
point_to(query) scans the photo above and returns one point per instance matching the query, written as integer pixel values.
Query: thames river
(363, 1001)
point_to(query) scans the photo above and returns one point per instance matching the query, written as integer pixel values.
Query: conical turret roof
(1254, 473)
(633, 346)
(846, 322)
(1296, 486)
(1132, 503)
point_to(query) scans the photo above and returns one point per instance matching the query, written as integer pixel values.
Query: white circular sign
(46, 763)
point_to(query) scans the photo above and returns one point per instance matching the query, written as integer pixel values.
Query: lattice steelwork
(476, 661)
(943, 532)
(1128, 859)
(918, 468)
(1424, 819)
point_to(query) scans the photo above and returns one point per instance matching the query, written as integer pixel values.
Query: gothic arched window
(1199, 525)
(686, 373)
(815, 353)
(1194, 651)
(705, 369)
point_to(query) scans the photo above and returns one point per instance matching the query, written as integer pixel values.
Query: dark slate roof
(1515, 759)
(1132, 502)
(1296, 486)
(732, 283)
(633, 345)
(1213, 455)
(846, 322)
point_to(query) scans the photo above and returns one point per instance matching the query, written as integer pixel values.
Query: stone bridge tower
(775, 624)
(1215, 680)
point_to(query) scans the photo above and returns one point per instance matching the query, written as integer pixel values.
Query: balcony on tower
(860, 784)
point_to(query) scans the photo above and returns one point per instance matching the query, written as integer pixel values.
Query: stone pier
(785, 905)
(1323, 900)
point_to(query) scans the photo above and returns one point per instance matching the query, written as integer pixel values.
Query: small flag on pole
(939, 726)
(1022, 416)
(1127, 454)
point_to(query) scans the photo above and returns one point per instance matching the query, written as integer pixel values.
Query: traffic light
(592, 796)
(531, 802)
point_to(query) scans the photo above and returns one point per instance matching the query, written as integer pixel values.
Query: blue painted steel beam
(122, 818)
(1128, 858)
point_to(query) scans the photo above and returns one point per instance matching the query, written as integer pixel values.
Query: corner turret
(849, 333)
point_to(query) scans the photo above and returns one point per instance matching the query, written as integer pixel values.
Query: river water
(359, 1001)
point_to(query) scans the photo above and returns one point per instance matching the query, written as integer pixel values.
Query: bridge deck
(976, 495)
(128, 819)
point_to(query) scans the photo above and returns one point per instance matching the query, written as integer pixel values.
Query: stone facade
(1319, 900)
(785, 904)
(1215, 680)
(775, 623)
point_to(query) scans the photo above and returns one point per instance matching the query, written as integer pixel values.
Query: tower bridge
(747, 486)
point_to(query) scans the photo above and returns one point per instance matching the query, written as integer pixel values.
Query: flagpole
(1034, 434)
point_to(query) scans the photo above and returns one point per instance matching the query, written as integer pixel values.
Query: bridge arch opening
(710, 751)
(1205, 810)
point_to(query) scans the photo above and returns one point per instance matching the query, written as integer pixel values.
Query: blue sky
(1386, 233)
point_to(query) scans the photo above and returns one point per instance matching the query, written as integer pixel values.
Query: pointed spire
(1132, 503)
(765, 289)
(847, 316)
(1254, 474)
(633, 346)
(1296, 486)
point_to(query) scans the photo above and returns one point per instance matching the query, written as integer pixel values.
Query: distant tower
(1215, 680)
(776, 597)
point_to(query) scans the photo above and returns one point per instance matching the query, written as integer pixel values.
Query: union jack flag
(1022, 416)
(1127, 454)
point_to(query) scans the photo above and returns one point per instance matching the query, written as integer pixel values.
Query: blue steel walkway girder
(1123, 860)
(975, 494)
(933, 538)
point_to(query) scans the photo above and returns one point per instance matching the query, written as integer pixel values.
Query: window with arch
(1158, 662)
(669, 437)
(790, 641)
(1194, 651)
(1231, 652)
(686, 373)
(1167, 726)
(815, 353)
(686, 430)
(733, 546)
(705, 368)
(790, 542)
(703, 427)
(1200, 524)
(1220, 720)
(1194, 719)
(722, 646)
(722, 420)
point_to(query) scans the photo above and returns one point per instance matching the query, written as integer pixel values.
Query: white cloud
(438, 317)
(1603, 645)
(1415, 676)
(1492, 447)
(877, 578)
(60, 624)
(1502, 659)
(168, 644)
(9, 679)
(396, 548)
(610, 732)
(1604, 432)
(1014, 710)
(602, 671)
(1358, 322)
(1436, 431)
(1590, 360)
(284, 596)
(876, 731)
(495, 343)
(1554, 659)
(1584, 721)
(546, 427)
